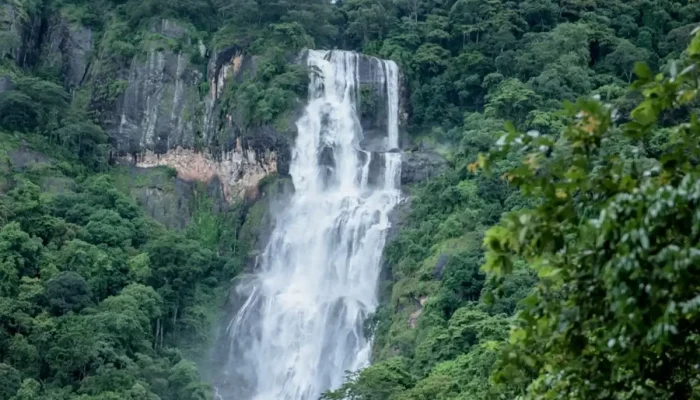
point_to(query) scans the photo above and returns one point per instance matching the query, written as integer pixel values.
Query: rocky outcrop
(238, 171)
(163, 118)
(10, 31)
(171, 201)
(413, 318)
(56, 44)
(169, 107)
(157, 109)
(419, 166)
(20, 32)
(67, 48)
(160, 123)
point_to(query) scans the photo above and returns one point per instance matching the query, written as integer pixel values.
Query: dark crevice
(594, 51)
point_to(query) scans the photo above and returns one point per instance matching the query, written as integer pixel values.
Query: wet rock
(397, 218)
(372, 102)
(226, 65)
(419, 166)
(266, 139)
(397, 221)
(156, 110)
(375, 176)
(67, 48)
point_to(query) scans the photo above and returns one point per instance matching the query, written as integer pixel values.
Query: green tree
(622, 60)
(512, 99)
(615, 311)
(68, 291)
(19, 256)
(29, 390)
(381, 381)
(368, 20)
(104, 274)
(10, 381)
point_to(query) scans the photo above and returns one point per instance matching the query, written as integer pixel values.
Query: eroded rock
(238, 170)
(420, 166)
(440, 265)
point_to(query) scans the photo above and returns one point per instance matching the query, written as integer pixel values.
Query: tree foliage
(602, 289)
(92, 302)
(614, 242)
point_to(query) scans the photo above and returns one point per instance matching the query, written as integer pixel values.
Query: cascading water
(301, 327)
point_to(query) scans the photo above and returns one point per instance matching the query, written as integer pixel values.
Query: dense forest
(557, 257)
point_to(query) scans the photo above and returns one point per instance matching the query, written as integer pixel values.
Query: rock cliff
(156, 109)
(20, 29)
(166, 105)
(163, 117)
(66, 49)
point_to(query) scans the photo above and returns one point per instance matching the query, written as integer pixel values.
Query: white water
(301, 328)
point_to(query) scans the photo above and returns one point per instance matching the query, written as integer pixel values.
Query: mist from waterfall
(302, 325)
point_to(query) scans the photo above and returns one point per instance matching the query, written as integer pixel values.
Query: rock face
(420, 166)
(10, 31)
(67, 48)
(163, 106)
(156, 110)
(169, 107)
(53, 42)
(164, 118)
(238, 170)
(170, 201)
(20, 32)
(161, 119)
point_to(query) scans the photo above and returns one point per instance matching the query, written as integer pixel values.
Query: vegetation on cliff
(595, 278)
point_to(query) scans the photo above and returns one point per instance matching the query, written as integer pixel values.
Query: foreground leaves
(615, 242)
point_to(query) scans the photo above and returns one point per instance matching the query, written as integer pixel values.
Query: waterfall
(301, 328)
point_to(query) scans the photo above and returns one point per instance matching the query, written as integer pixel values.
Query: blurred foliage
(614, 241)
